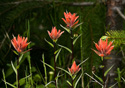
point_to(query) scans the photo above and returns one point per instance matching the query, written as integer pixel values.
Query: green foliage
(118, 37)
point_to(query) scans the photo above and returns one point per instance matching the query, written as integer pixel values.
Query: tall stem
(72, 42)
(72, 83)
(103, 72)
(55, 65)
(18, 84)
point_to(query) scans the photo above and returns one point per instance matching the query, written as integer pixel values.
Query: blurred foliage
(43, 15)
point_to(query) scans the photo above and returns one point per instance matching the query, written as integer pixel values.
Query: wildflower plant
(54, 35)
(19, 44)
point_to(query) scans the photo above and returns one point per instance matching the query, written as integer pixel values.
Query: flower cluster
(103, 47)
(54, 35)
(20, 43)
(70, 19)
(74, 68)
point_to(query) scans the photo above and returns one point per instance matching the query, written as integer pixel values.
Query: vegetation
(32, 19)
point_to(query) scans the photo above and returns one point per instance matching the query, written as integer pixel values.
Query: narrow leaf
(98, 77)
(4, 78)
(77, 81)
(10, 84)
(68, 30)
(65, 71)
(20, 58)
(14, 68)
(58, 53)
(49, 83)
(76, 39)
(48, 65)
(108, 70)
(44, 68)
(65, 48)
(49, 43)
(77, 25)
(68, 82)
(83, 61)
(94, 79)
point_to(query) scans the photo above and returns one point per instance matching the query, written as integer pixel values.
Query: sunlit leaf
(65, 71)
(4, 78)
(10, 84)
(68, 82)
(106, 72)
(98, 77)
(65, 48)
(76, 39)
(48, 65)
(44, 68)
(68, 30)
(83, 61)
(49, 43)
(58, 53)
(77, 81)
(20, 58)
(15, 70)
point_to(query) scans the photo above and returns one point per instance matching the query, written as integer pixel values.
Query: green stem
(55, 65)
(18, 84)
(72, 42)
(103, 72)
(72, 83)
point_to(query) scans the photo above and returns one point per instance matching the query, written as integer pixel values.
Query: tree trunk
(113, 22)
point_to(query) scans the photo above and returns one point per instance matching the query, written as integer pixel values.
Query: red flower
(103, 48)
(20, 43)
(54, 35)
(74, 69)
(70, 19)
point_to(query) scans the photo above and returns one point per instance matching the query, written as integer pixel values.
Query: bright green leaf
(68, 82)
(76, 39)
(68, 30)
(15, 70)
(49, 43)
(108, 70)
(65, 48)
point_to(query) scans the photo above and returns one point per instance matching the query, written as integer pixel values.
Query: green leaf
(59, 76)
(65, 48)
(76, 39)
(15, 52)
(58, 53)
(10, 84)
(108, 70)
(44, 68)
(68, 82)
(98, 77)
(49, 43)
(77, 25)
(78, 80)
(48, 65)
(49, 83)
(65, 71)
(4, 78)
(20, 58)
(68, 30)
(15, 70)
(94, 79)
(83, 61)
(104, 37)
